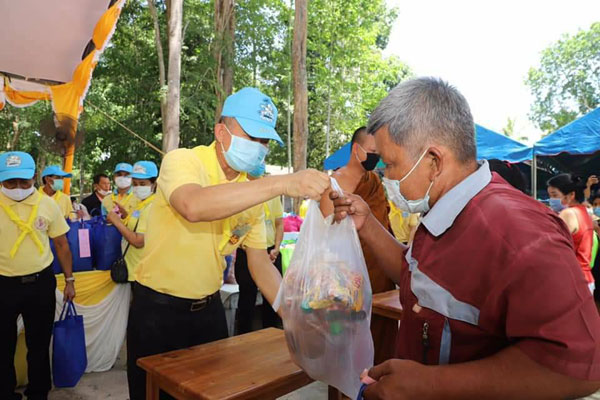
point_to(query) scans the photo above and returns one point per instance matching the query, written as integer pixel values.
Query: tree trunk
(300, 88)
(161, 72)
(175, 13)
(224, 51)
(15, 139)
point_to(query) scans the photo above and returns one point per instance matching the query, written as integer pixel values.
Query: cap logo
(13, 161)
(266, 111)
(139, 169)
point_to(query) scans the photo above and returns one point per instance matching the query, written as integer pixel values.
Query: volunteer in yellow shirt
(28, 219)
(52, 178)
(404, 225)
(144, 186)
(122, 200)
(203, 210)
(247, 297)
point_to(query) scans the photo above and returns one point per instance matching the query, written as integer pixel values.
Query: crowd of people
(496, 287)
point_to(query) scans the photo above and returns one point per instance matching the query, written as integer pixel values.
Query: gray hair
(427, 110)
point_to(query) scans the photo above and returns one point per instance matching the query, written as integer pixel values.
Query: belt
(27, 279)
(191, 305)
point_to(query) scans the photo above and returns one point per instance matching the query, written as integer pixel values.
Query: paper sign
(84, 243)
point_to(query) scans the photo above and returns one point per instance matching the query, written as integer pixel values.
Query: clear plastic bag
(325, 298)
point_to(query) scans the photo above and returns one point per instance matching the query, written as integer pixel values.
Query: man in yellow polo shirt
(28, 219)
(52, 178)
(203, 210)
(122, 201)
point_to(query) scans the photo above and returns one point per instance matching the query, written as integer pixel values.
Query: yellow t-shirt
(128, 200)
(63, 201)
(182, 258)
(134, 255)
(49, 223)
(402, 223)
(273, 211)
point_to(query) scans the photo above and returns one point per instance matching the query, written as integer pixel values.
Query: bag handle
(336, 187)
(128, 244)
(71, 311)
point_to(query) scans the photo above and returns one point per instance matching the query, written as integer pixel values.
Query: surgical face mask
(258, 172)
(58, 184)
(123, 182)
(411, 206)
(244, 155)
(597, 211)
(18, 194)
(557, 205)
(103, 192)
(371, 162)
(142, 192)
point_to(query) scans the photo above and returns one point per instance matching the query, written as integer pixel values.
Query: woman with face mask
(122, 200)
(566, 198)
(132, 228)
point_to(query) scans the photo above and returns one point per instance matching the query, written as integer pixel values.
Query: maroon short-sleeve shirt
(489, 268)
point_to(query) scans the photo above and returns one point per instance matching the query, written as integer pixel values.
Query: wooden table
(252, 366)
(387, 304)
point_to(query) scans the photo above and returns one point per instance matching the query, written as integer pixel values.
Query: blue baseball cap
(16, 165)
(144, 170)
(123, 167)
(255, 112)
(55, 170)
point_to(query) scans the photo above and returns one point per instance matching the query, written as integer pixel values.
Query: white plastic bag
(326, 298)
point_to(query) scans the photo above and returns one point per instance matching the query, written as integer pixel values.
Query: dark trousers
(159, 323)
(34, 298)
(247, 296)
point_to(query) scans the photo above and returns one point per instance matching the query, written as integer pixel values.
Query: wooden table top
(252, 366)
(387, 304)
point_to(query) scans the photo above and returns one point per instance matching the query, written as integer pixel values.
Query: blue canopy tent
(490, 145)
(574, 147)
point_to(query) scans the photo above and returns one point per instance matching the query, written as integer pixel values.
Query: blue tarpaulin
(490, 145)
(581, 136)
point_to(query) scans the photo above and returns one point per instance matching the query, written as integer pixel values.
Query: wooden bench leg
(152, 389)
(333, 393)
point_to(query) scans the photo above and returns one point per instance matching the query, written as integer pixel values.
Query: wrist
(277, 186)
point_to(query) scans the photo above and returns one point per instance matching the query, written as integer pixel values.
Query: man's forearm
(264, 273)
(509, 374)
(386, 248)
(211, 203)
(64, 257)
(278, 232)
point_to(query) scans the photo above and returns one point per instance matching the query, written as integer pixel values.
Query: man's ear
(437, 161)
(220, 132)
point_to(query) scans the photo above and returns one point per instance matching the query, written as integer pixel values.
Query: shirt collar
(443, 214)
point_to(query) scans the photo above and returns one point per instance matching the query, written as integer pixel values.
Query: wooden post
(174, 74)
(300, 88)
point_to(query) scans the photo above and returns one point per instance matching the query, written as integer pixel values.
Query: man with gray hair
(495, 305)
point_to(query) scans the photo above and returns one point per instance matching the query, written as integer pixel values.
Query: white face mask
(142, 192)
(103, 192)
(411, 206)
(123, 182)
(18, 194)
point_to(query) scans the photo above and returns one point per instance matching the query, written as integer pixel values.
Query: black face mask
(371, 162)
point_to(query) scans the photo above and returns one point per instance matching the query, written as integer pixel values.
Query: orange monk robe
(383, 329)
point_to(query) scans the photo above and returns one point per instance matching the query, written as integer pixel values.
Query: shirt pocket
(434, 334)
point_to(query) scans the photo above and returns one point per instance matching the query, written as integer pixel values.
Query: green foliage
(345, 68)
(566, 85)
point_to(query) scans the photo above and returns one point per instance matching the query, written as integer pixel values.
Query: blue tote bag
(81, 262)
(69, 357)
(106, 244)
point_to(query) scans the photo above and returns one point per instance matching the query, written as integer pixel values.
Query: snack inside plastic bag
(325, 298)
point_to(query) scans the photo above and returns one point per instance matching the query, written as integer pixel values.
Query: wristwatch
(71, 279)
